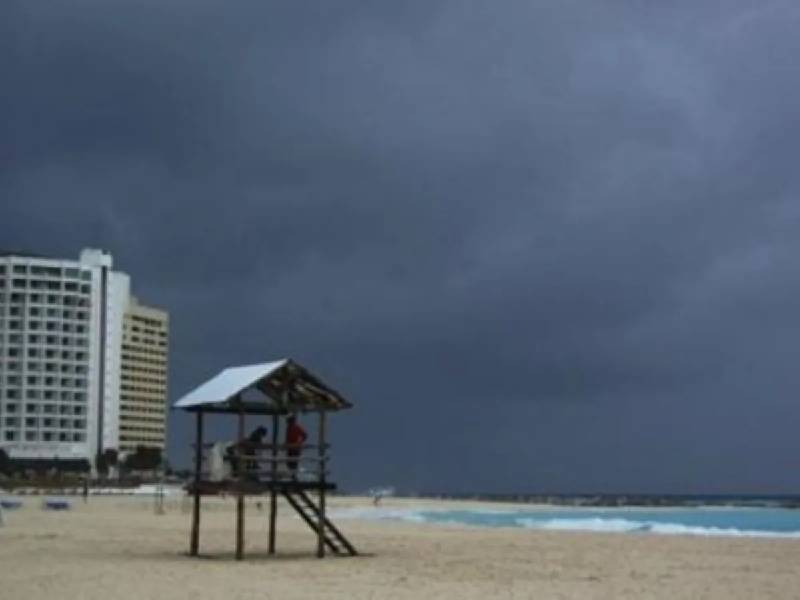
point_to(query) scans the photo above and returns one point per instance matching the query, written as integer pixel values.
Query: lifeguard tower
(274, 389)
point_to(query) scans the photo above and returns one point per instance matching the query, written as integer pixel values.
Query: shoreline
(116, 547)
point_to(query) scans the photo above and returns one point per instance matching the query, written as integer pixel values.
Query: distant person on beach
(295, 438)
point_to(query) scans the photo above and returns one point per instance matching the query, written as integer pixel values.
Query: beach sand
(117, 548)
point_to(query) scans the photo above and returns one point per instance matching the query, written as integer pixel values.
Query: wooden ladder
(305, 507)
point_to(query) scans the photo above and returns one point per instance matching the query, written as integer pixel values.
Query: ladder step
(310, 522)
(327, 524)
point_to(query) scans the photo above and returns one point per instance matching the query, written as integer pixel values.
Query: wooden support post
(198, 459)
(273, 495)
(322, 469)
(240, 492)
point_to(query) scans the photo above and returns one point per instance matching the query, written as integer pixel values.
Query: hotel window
(20, 269)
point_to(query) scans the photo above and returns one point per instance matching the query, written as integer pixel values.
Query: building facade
(61, 337)
(143, 390)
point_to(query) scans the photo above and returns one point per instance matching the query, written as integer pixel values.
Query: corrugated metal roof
(273, 387)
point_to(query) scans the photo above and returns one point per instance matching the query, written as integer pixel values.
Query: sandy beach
(117, 547)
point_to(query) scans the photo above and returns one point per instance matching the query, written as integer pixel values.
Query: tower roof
(276, 387)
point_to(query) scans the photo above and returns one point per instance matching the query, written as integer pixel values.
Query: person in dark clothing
(247, 448)
(258, 435)
(295, 438)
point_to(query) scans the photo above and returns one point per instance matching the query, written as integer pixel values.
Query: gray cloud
(541, 246)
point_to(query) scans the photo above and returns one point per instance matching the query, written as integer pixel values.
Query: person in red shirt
(295, 438)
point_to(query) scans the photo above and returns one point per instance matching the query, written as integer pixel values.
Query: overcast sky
(542, 246)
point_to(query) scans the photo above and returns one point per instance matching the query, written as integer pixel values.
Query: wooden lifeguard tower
(274, 389)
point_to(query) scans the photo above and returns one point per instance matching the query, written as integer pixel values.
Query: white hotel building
(61, 359)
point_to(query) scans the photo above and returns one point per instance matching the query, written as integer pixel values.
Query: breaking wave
(771, 523)
(630, 526)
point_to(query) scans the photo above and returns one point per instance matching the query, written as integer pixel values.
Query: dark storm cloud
(541, 246)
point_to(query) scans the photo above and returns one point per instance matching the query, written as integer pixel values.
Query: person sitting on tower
(247, 450)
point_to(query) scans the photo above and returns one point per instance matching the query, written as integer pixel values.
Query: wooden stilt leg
(321, 522)
(273, 495)
(240, 527)
(240, 494)
(194, 545)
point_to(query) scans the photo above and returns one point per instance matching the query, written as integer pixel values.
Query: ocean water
(704, 521)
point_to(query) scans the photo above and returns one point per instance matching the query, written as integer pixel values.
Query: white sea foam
(610, 524)
(631, 526)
